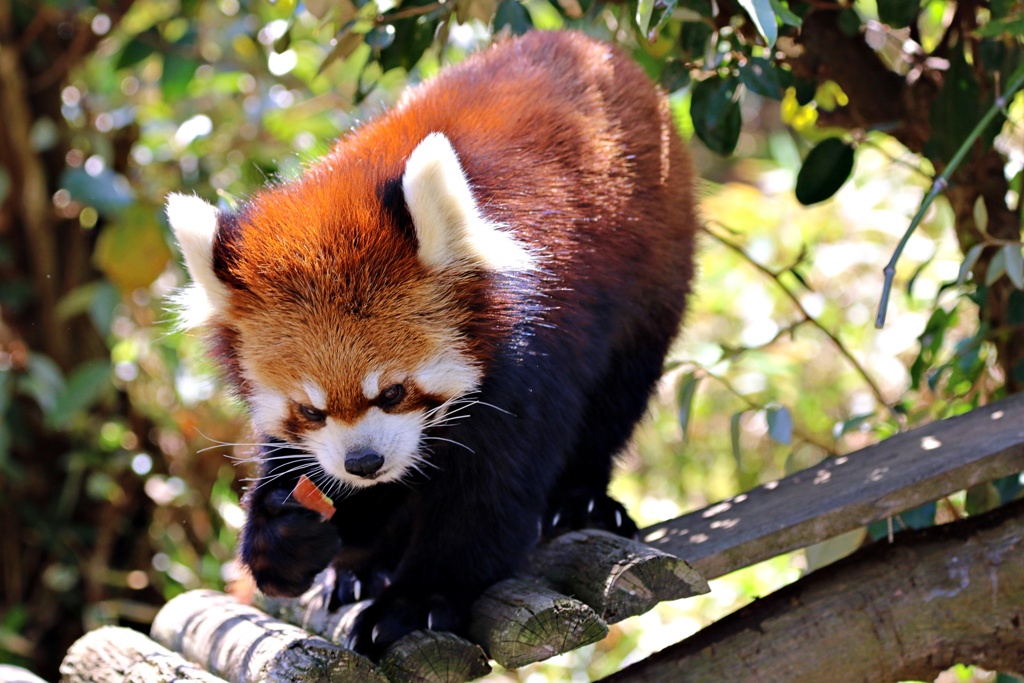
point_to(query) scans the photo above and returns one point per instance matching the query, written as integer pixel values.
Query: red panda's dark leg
(614, 407)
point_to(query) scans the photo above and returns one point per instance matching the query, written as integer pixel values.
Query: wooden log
(616, 577)
(848, 492)
(421, 656)
(520, 622)
(244, 645)
(113, 654)
(951, 594)
(15, 674)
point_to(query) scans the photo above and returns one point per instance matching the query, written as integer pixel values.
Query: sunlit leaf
(763, 16)
(178, 73)
(734, 438)
(786, 15)
(980, 213)
(996, 268)
(970, 260)
(825, 169)
(132, 251)
(1014, 265)
(687, 390)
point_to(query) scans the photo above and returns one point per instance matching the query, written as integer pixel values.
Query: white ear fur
(450, 228)
(194, 222)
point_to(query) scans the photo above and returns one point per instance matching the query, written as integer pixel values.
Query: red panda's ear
(450, 229)
(194, 222)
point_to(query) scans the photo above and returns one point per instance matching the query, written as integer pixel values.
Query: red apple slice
(310, 496)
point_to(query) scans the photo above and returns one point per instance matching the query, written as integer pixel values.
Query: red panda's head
(344, 332)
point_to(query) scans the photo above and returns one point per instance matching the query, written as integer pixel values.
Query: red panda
(452, 322)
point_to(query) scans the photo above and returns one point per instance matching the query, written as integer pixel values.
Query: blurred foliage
(817, 126)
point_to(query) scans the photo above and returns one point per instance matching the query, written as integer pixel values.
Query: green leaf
(43, 381)
(1014, 265)
(651, 14)
(178, 73)
(969, 262)
(674, 76)
(511, 13)
(761, 13)
(85, 385)
(734, 438)
(996, 267)
(980, 212)
(687, 390)
(824, 171)
(107, 191)
(760, 77)
(412, 37)
(853, 424)
(898, 13)
(786, 15)
(137, 49)
(716, 115)
(1007, 27)
(780, 425)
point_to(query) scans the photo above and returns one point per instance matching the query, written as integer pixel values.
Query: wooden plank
(906, 611)
(848, 492)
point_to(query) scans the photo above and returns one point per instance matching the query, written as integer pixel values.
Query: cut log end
(520, 623)
(434, 657)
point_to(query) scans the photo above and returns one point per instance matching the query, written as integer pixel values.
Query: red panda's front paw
(396, 614)
(588, 510)
(285, 545)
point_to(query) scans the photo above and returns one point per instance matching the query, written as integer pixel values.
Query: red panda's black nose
(363, 462)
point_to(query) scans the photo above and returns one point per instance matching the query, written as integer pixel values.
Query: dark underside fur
(564, 386)
(536, 454)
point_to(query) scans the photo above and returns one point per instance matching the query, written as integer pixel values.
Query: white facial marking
(396, 436)
(268, 408)
(317, 396)
(371, 385)
(194, 222)
(451, 230)
(448, 374)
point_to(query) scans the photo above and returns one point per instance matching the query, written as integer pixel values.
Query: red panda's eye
(391, 396)
(312, 414)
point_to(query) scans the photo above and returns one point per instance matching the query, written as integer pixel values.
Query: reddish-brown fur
(554, 154)
(565, 143)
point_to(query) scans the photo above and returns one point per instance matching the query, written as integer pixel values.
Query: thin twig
(774, 276)
(939, 185)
